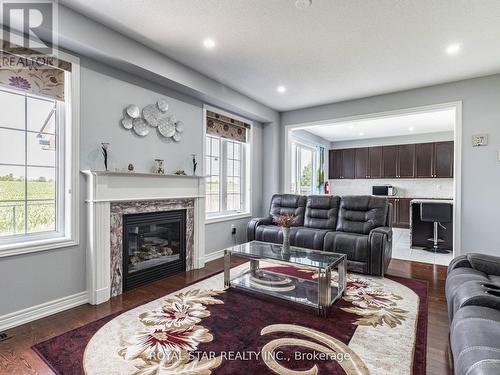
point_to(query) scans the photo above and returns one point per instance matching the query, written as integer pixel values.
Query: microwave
(385, 190)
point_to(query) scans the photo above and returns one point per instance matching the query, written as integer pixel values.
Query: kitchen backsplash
(406, 188)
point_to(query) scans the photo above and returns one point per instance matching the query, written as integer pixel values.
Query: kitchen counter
(432, 200)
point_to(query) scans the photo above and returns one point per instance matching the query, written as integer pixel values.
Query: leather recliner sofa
(473, 296)
(358, 226)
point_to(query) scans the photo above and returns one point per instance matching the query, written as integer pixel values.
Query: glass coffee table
(315, 291)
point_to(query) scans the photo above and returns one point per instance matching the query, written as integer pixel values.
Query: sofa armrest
(254, 223)
(460, 261)
(380, 250)
(488, 264)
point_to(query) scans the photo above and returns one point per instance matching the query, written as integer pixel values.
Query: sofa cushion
(286, 204)
(355, 246)
(475, 341)
(308, 237)
(322, 211)
(360, 214)
(272, 233)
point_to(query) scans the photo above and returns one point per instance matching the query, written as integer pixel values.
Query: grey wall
(480, 166)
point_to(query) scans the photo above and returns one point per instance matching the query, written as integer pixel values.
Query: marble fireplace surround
(110, 195)
(118, 209)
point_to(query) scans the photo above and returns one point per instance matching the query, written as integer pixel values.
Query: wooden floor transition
(16, 357)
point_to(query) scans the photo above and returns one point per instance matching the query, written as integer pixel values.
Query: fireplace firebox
(154, 246)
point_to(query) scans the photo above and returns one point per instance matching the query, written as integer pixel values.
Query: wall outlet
(479, 140)
(233, 229)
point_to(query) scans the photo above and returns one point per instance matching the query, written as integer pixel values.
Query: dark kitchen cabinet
(389, 161)
(361, 163)
(406, 161)
(400, 212)
(375, 162)
(348, 163)
(335, 164)
(443, 159)
(424, 159)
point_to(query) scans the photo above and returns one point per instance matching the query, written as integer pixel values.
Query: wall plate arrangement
(153, 116)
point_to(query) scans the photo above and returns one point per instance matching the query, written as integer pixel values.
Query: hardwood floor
(16, 357)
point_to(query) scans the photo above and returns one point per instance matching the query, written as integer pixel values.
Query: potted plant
(285, 222)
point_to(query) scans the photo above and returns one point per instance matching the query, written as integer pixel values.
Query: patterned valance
(34, 73)
(227, 127)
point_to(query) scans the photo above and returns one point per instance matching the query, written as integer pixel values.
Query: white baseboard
(215, 255)
(29, 314)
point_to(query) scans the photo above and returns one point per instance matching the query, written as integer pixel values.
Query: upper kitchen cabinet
(375, 162)
(335, 164)
(406, 161)
(443, 159)
(390, 161)
(361, 163)
(424, 159)
(342, 164)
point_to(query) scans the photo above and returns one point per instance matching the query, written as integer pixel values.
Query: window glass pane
(213, 184)
(215, 151)
(12, 146)
(233, 185)
(12, 110)
(212, 203)
(41, 149)
(41, 199)
(237, 151)
(236, 171)
(233, 202)
(305, 170)
(215, 166)
(230, 168)
(12, 195)
(230, 150)
(38, 112)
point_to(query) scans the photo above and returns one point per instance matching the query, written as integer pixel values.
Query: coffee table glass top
(291, 254)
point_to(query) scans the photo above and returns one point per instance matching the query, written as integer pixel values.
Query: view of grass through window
(27, 164)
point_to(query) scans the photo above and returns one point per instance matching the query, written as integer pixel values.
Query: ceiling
(392, 126)
(333, 51)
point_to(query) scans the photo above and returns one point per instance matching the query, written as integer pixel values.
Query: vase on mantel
(286, 236)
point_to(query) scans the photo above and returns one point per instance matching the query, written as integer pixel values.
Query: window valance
(227, 127)
(31, 72)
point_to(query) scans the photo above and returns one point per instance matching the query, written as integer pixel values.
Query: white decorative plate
(133, 111)
(127, 123)
(151, 114)
(165, 127)
(179, 126)
(177, 137)
(141, 127)
(162, 105)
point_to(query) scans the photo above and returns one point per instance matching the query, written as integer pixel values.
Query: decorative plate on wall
(141, 127)
(151, 113)
(133, 111)
(165, 127)
(127, 123)
(162, 105)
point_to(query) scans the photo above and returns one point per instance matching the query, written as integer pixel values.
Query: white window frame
(245, 174)
(68, 162)
(295, 145)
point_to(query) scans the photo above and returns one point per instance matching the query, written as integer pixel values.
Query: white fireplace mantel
(104, 188)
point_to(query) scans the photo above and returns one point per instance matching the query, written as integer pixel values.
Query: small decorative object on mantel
(159, 168)
(104, 149)
(285, 222)
(130, 167)
(153, 115)
(180, 172)
(195, 164)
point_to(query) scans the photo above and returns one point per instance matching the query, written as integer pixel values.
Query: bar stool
(436, 213)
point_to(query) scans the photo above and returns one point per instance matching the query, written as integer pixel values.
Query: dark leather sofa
(358, 226)
(473, 296)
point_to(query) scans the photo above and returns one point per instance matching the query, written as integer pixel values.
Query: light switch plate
(499, 154)
(480, 140)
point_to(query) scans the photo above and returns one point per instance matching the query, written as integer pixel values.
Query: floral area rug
(378, 327)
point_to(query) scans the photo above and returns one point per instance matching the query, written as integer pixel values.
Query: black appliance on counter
(385, 190)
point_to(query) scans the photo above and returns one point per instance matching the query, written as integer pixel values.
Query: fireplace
(154, 246)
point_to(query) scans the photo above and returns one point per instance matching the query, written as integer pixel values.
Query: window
(38, 168)
(303, 167)
(226, 168)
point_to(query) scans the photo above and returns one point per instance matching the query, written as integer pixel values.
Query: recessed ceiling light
(453, 49)
(303, 4)
(361, 133)
(351, 127)
(411, 128)
(281, 89)
(209, 43)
